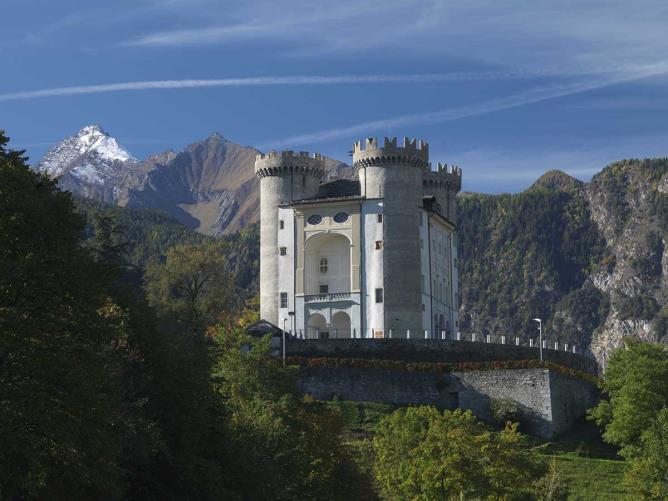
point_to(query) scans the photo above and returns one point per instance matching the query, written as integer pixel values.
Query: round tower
(394, 174)
(285, 176)
(444, 183)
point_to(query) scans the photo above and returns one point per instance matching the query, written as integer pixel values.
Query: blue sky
(506, 90)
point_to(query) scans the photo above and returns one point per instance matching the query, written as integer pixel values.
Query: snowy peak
(88, 151)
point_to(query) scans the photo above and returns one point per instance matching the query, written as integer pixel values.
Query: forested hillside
(588, 258)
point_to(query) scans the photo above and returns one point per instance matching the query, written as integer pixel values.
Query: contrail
(305, 80)
(513, 101)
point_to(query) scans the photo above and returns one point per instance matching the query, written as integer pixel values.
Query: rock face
(629, 203)
(210, 186)
(590, 259)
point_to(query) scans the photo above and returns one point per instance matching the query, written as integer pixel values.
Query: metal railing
(332, 333)
(321, 298)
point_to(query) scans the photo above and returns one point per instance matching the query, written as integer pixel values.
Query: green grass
(592, 478)
(589, 468)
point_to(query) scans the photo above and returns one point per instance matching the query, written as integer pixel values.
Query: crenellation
(276, 163)
(412, 152)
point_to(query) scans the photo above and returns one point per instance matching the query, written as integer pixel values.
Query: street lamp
(284, 320)
(540, 336)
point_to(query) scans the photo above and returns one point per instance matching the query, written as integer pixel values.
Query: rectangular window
(324, 289)
(284, 251)
(380, 218)
(281, 224)
(284, 299)
(379, 295)
(379, 244)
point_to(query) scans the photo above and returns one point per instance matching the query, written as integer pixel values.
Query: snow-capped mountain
(209, 186)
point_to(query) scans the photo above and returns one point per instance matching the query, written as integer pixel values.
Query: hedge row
(365, 363)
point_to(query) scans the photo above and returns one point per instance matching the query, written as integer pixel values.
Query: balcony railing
(321, 298)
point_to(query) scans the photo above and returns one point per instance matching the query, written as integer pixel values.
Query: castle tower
(444, 183)
(394, 174)
(284, 177)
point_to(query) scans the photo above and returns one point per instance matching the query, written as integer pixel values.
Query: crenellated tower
(285, 176)
(444, 183)
(394, 174)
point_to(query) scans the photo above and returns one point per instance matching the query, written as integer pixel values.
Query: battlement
(445, 177)
(276, 163)
(369, 152)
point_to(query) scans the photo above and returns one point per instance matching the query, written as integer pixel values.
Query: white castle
(373, 255)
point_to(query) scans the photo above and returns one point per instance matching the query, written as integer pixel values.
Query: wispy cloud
(312, 80)
(520, 99)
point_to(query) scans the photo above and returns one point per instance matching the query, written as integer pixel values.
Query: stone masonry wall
(431, 350)
(550, 402)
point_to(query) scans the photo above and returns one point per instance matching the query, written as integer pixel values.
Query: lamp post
(540, 336)
(284, 320)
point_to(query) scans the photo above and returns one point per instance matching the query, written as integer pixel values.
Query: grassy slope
(589, 468)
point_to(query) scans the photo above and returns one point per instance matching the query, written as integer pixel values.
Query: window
(284, 299)
(324, 289)
(379, 244)
(324, 265)
(283, 251)
(281, 224)
(379, 295)
(341, 217)
(315, 219)
(380, 218)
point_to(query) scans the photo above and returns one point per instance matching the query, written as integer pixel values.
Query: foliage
(422, 453)
(400, 365)
(284, 445)
(636, 382)
(61, 425)
(550, 487)
(648, 472)
(191, 288)
(519, 254)
(637, 307)
(145, 233)
(505, 410)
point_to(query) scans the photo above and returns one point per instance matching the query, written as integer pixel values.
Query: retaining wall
(432, 350)
(549, 402)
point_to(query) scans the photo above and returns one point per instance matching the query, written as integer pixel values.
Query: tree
(192, 286)
(636, 382)
(60, 414)
(424, 454)
(285, 446)
(648, 471)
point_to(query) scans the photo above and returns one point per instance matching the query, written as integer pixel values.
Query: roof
(262, 328)
(339, 189)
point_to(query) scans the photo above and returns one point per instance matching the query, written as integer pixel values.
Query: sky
(506, 90)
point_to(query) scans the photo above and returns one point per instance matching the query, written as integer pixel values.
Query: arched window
(324, 265)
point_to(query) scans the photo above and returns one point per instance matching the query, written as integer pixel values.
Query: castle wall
(284, 177)
(433, 350)
(373, 278)
(536, 392)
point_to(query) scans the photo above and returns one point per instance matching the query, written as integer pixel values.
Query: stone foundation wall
(549, 402)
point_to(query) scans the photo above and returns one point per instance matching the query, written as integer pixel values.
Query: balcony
(323, 298)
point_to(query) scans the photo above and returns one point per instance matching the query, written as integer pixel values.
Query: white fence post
(517, 341)
(503, 339)
(442, 334)
(408, 334)
(556, 345)
(473, 337)
(530, 342)
(426, 334)
(390, 333)
(545, 344)
(459, 336)
(489, 338)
